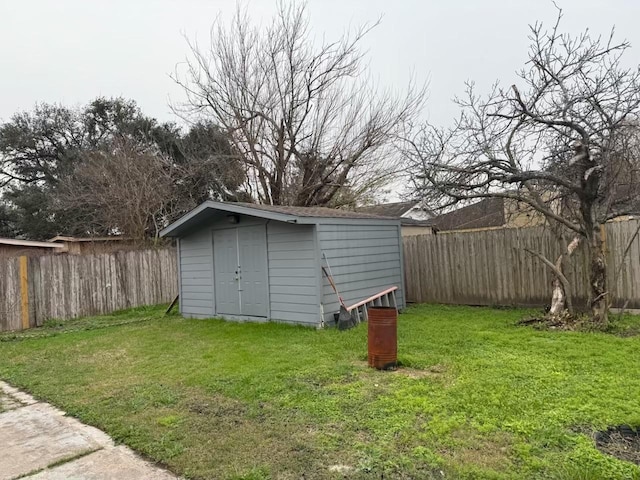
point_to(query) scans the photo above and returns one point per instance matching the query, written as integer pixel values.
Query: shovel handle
(333, 285)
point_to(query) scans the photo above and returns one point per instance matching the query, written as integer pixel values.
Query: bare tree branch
(304, 117)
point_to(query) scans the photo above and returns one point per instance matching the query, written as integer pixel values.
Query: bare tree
(301, 113)
(557, 141)
(128, 190)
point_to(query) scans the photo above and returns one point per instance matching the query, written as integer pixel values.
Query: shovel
(345, 320)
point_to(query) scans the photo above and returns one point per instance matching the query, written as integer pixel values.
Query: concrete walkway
(38, 442)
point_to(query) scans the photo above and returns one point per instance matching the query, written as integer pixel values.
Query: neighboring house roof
(416, 223)
(303, 215)
(483, 214)
(61, 238)
(396, 209)
(29, 243)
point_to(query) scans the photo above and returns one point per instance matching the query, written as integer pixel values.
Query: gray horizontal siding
(365, 242)
(297, 290)
(347, 260)
(200, 289)
(297, 318)
(198, 313)
(299, 271)
(192, 256)
(299, 308)
(287, 243)
(377, 250)
(301, 254)
(370, 265)
(196, 275)
(293, 292)
(202, 296)
(364, 259)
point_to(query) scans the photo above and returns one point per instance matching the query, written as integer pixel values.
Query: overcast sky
(72, 51)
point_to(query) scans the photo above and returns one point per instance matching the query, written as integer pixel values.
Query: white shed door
(240, 269)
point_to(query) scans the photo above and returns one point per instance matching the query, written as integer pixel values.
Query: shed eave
(191, 219)
(347, 221)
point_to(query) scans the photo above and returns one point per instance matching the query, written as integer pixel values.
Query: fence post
(24, 291)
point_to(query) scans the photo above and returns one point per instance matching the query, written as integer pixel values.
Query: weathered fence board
(10, 308)
(67, 286)
(492, 267)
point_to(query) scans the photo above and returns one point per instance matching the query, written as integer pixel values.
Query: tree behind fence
(491, 267)
(67, 286)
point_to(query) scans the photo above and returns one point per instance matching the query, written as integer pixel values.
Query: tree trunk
(598, 277)
(561, 290)
(558, 298)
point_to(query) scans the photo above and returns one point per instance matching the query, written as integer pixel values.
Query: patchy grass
(478, 397)
(55, 327)
(624, 325)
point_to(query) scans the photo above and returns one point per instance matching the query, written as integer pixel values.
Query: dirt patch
(490, 451)
(434, 371)
(229, 438)
(107, 357)
(216, 406)
(622, 442)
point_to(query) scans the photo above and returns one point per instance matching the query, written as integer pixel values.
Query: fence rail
(35, 289)
(492, 267)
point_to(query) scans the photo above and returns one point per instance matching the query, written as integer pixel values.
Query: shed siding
(364, 259)
(293, 291)
(196, 275)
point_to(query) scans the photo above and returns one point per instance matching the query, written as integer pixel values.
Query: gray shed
(241, 261)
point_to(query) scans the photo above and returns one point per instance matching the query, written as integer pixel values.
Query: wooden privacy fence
(491, 267)
(35, 289)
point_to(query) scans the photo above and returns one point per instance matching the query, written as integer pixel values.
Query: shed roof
(303, 215)
(318, 212)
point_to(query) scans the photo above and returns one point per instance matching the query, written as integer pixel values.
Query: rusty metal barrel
(383, 337)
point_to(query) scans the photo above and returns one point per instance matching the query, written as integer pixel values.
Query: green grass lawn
(478, 398)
